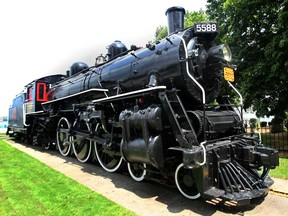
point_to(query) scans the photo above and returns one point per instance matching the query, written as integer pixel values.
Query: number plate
(229, 74)
(206, 27)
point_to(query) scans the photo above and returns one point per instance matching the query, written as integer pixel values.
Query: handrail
(196, 82)
(188, 71)
(241, 98)
(204, 153)
(24, 115)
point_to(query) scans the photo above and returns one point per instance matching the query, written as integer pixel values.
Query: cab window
(41, 93)
(29, 93)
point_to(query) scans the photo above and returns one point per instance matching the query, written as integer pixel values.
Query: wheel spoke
(185, 182)
(137, 171)
(107, 158)
(63, 136)
(82, 147)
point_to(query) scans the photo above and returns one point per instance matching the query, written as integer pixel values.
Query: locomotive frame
(151, 108)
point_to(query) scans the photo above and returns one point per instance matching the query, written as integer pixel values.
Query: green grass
(282, 170)
(29, 187)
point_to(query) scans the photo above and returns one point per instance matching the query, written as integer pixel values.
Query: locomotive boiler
(157, 109)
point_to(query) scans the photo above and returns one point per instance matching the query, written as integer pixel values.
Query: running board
(129, 95)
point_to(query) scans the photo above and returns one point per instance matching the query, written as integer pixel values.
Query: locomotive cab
(37, 91)
(36, 94)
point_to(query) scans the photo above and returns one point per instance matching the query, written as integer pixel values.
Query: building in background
(3, 124)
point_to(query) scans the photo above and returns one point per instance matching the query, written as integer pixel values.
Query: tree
(189, 19)
(257, 34)
(194, 17)
(161, 32)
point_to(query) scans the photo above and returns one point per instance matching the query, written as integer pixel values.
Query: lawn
(29, 187)
(282, 170)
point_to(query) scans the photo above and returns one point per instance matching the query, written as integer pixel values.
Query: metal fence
(277, 140)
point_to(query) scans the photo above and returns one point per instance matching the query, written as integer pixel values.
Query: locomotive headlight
(220, 52)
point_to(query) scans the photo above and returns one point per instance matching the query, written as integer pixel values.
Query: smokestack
(175, 17)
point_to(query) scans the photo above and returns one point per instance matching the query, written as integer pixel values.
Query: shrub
(253, 123)
(263, 124)
(277, 125)
(286, 123)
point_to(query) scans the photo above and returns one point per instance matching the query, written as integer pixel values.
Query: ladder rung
(180, 116)
(182, 125)
(186, 131)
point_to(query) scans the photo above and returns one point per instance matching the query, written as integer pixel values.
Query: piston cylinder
(138, 151)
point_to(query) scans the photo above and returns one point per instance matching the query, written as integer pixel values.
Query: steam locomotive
(157, 109)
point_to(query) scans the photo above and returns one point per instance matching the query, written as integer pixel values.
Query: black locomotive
(158, 110)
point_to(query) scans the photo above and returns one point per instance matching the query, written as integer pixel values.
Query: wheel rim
(108, 162)
(137, 171)
(63, 136)
(185, 182)
(82, 148)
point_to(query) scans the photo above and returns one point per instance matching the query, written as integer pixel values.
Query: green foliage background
(257, 33)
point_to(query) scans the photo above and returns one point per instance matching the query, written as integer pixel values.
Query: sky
(40, 38)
